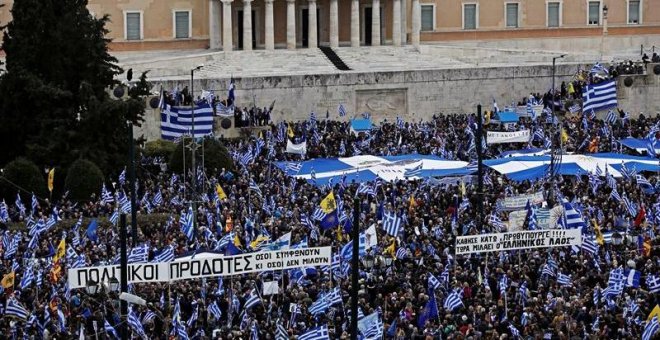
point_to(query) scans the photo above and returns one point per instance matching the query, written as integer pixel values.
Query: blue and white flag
(392, 223)
(599, 96)
(318, 333)
(177, 121)
(453, 301)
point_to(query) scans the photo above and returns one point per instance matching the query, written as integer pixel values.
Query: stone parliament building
(289, 24)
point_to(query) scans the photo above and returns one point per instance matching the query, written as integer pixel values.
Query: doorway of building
(304, 23)
(240, 29)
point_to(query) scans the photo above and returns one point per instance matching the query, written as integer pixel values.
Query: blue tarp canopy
(367, 168)
(507, 117)
(361, 125)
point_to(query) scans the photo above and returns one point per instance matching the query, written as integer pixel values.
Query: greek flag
(391, 224)
(19, 204)
(318, 333)
(106, 196)
(365, 188)
(114, 218)
(135, 324)
(252, 300)
(165, 255)
(177, 121)
(214, 310)
(600, 96)
(14, 308)
(598, 68)
(399, 122)
(187, 225)
(139, 254)
(653, 283)
(312, 118)
(453, 301)
(651, 328)
(433, 281)
(341, 110)
(293, 166)
(611, 117)
(122, 177)
(573, 217)
(109, 330)
(281, 333)
(320, 306)
(564, 280)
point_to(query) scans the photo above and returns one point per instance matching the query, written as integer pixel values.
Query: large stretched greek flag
(367, 168)
(177, 121)
(599, 96)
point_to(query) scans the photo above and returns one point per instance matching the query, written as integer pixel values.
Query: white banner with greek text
(499, 137)
(518, 240)
(204, 266)
(520, 201)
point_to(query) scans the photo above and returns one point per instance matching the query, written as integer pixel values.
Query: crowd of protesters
(514, 294)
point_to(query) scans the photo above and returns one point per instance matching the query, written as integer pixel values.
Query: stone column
(404, 22)
(416, 22)
(270, 34)
(334, 24)
(375, 23)
(227, 41)
(355, 23)
(247, 25)
(312, 36)
(396, 22)
(291, 24)
(215, 40)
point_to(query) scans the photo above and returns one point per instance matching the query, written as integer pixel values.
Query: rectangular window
(470, 16)
(427, 18)
(553, 14)
(594, 13)
(181, 24)
(133, 26)
(633, 12)
(511, 15)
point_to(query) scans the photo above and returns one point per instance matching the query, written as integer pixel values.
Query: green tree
(22, 175)
(215, 154)
(83, 180)
(53, 100)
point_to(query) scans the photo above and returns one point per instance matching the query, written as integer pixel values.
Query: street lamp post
(605, 20)
(193, 150)
(556, 154)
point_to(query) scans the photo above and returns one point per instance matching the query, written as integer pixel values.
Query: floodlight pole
(355, 268)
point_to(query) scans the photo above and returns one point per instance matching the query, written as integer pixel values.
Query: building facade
(270, 24)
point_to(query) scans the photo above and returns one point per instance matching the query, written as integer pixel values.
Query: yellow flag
(329, 204)
(289, 131)
(654, 312)
(564, 136)
(462, 188)
(237, 241)
(599, 235)
(259, 241)
(221, 193)
(487, 118)
(391, 249)
(412, 204)
(51, 177)
(61, 250)
(8, 280)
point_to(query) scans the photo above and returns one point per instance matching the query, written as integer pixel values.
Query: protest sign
(204, 266)
(520, 201)
(526, 239)
(499, 137)
(543, 219)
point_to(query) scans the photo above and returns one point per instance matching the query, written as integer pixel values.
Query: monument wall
(412, 95)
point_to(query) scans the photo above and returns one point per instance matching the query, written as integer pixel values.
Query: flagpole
(355, 264)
